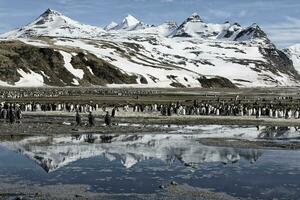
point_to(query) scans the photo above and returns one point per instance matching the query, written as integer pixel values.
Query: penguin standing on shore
(276, 114)
(271, 113)
(113, 112)
(78, 118)
(296, 115)
(91, 119)
(18, 112)
(11, 115)
(107, 119)
(258, 113)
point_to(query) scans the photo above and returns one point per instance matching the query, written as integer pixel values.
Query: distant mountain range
(130, 23)
(55, 50)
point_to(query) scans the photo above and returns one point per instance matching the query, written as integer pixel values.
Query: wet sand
(55, 123)
(171, 191)
(37, 123)
(248, 144)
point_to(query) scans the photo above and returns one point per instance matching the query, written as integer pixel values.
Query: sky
(280, 19)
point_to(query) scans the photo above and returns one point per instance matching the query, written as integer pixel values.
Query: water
(141, 163)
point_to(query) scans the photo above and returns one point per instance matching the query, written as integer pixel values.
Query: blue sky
(279, 18)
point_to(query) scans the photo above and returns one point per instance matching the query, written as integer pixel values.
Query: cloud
(285, 33)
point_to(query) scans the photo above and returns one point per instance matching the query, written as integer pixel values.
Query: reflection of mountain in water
(52, 153)
(275, 132)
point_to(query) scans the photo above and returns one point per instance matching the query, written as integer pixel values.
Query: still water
(141, 163)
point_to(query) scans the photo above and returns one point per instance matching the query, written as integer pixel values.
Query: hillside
(134, 54)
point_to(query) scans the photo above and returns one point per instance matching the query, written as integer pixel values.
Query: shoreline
(52, 123)
(157, 118)
(170, 191)
(62, 123)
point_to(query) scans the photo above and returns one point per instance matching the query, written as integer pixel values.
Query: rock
(174, 183)
(162, 186)
(67, 123)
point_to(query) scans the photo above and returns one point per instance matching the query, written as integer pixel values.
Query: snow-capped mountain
(254, 34)
(54, 24)
(294, 54)
(133, 54)
(58, 151)
(230, 31)
(111, 26)
(194, 26)
(129, 23)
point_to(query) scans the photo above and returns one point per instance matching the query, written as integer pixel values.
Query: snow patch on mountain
(156, 77)
(30, 79)
(79, 73)
(294, 54)
(167, 28)
(34, 42)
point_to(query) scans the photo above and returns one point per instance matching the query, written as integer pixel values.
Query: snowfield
(79, 73)
(30, 79)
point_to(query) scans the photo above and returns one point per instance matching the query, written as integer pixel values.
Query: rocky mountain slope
(27, 65)
(134, 54)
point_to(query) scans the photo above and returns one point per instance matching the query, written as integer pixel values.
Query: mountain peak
(129, 23)
(255, 26)
(51, 12)
(195, 17)
(236, 24)
(111, 26)
(130, 20)
(254, 32)
(54, 23)
(258, 32)
(48, 16)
